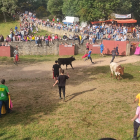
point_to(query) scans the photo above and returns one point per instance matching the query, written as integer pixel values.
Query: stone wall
(55, 31)
(30, 48)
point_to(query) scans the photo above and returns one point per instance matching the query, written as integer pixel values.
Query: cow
(66, 61)
(117, 69)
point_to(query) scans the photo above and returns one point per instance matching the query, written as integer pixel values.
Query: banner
(122, 16)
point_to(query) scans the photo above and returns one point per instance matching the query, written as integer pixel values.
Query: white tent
(70, 20)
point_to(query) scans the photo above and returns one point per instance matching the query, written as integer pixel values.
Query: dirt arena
(34, 97)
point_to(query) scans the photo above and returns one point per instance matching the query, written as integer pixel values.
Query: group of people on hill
(29, 27)
(104, 31)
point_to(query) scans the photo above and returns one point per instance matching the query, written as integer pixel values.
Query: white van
(70, 20)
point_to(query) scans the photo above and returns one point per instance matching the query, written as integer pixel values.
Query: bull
(117, 69)
(66, 61)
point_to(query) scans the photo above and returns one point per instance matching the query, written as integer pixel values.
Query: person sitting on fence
(50, 38)
(36, 39)
(42, 38)
(65, 37)
(39, 41)
(46, 39)
(33, 38)
(56, 37)
(7, 44)
(2, 44)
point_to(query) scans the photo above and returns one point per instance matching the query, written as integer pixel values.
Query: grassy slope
(5, 28)
(104, 112)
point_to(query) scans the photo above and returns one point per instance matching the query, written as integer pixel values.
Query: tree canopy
(86, 10)
(90, 10)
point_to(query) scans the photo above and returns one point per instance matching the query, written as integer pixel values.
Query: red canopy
(110, 20)
(126, 21)
(96, 22)
(118, 21)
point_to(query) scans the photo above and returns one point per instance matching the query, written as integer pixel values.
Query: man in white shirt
(136, 120)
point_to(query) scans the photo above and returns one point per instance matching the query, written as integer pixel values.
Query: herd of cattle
(114, 67)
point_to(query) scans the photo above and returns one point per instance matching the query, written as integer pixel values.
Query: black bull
(66, 61)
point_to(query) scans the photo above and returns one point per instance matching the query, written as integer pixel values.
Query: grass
(96, 105)
(5, 27)
(42, 58)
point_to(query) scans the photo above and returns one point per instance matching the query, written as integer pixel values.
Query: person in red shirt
(56, 37)
(50, 38)
(109, 37)
(87, 46)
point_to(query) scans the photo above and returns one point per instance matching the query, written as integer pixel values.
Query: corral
(96, 105)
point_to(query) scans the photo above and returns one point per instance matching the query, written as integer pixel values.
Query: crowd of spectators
(29, 26)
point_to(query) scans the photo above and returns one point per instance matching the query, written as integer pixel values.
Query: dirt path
(45, 68)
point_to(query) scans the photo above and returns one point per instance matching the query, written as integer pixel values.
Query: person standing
(16, 55)
(56, 68)
(113, 55)
(117, 50)
(136, 120)
(61, 83)
(4, 92)
(89, 56)
(87, 46)
(101, 49)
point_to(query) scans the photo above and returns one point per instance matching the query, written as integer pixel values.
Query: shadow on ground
(72, 96)
(127, 76)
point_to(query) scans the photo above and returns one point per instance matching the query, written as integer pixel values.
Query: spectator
(65, 37)
(50, 38)
(56, 37)
(39, 41)
(42, 38)
(2, 44)
(4, 92)
(16, 28)
(33, 38)
(36, 39)
(136, 121)
(7, 44)
(46, 40)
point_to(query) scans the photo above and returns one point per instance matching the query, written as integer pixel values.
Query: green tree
(55, 7)
(71, 7)
(41, 12)
(135, 10)
(91, 10)
(8, 7)
(31, 5)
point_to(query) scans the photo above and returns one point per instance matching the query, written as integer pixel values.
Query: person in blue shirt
(89, 56)
(16, 27)
(101, 49)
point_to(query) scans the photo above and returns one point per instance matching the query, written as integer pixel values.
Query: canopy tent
(110, 20)
(97, 22)
(126, 21)
(118, 21)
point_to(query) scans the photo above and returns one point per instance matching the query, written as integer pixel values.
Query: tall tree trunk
(4, 17)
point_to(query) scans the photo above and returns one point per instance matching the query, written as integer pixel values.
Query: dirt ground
(31, 88)
(27, 77)
(44, 69)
